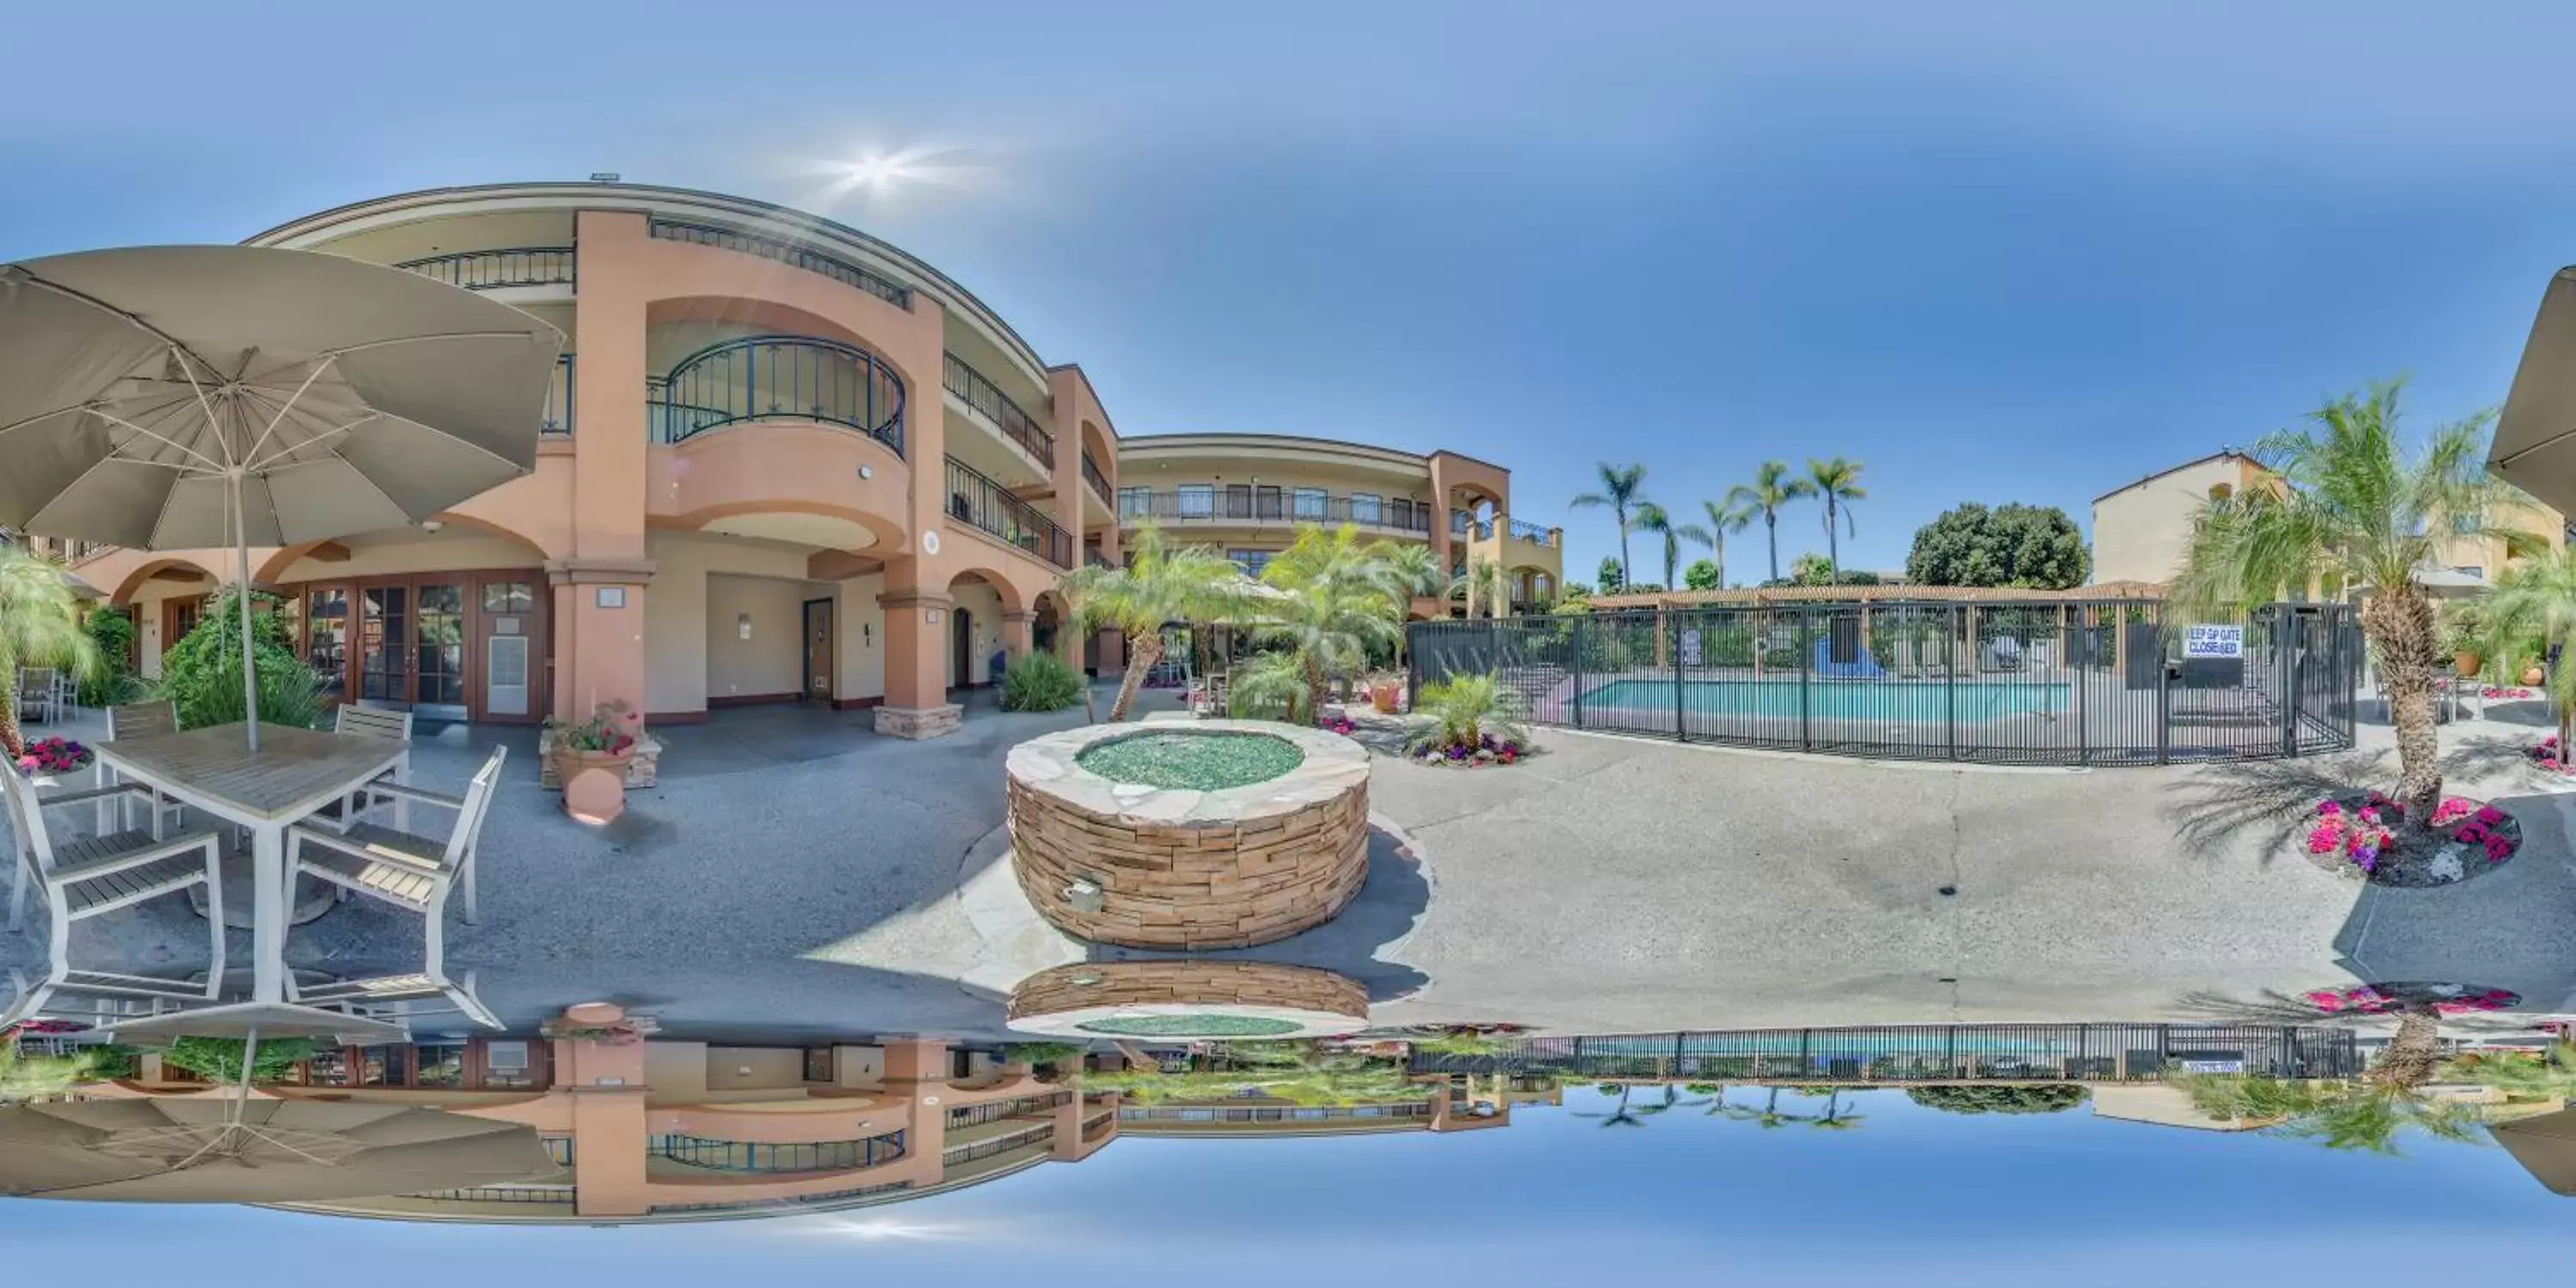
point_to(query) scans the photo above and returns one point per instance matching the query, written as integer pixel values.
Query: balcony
(1092, 475)
(980, 502)
(492, 270)
(988, 400)
(775, 377)
(1533, 533)
(1254, 507)
(784, 252)
(748, 1156)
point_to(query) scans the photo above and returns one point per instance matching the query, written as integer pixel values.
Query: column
(916, 1069)
(916, 658)
(598, 633)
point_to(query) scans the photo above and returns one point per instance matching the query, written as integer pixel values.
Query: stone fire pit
(1188, 999)
(1173, 867)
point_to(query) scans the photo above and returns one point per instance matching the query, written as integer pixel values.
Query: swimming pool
(1898, 701)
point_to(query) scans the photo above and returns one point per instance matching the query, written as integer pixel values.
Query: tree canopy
(2028, 1098)
(2030, 546)
(1612, 576)
(1701, 575)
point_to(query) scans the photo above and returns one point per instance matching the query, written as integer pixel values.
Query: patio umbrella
(236, 1150)
(179, 397)
(2545, 1146)
(2535, 438)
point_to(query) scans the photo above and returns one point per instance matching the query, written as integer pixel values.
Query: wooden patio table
(294, 772)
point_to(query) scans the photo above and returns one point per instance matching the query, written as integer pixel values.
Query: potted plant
(2463, 633)
(604, 741)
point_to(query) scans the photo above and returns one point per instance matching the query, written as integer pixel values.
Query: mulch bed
(2368, 832)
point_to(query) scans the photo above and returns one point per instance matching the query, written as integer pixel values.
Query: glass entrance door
(384, 644)
(438, 652)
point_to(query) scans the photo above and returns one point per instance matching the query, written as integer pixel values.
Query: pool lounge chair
(1865, 667)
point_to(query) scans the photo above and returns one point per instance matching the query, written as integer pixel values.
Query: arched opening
(451, 620)
(961, 648)
(979, 602)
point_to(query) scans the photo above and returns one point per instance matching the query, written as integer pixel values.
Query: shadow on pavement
(1390, 902)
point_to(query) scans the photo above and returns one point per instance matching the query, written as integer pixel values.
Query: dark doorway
(961, 648)
(818, 650)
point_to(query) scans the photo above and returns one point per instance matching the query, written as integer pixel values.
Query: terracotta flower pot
(2533, 675)
(2465, 662)
(570, 762)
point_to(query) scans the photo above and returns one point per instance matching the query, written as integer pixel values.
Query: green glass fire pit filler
(1199, 761)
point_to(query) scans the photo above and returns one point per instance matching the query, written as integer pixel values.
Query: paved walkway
(795, 873)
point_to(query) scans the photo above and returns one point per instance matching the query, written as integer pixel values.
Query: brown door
(818, 650)
(439, 667)
(178, 617)
(508, 656)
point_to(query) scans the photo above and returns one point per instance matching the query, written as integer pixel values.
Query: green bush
(2036, 1098)
(201, 673)
(1270, 686)
(1040, 682)
(113, 632)
(1038, 1054)
(220, 1059)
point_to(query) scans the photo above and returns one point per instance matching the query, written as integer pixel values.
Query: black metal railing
(790, 1203)
(1255, 506)
(1269, 1113)
(1092, 556)
(503, 1194)
(2107, 682)
(1532, 533)
(987, 399)
(956, 1154)
(784, 252)
(1929, 1053)
(485, 270)
(777, 377)
(996, 1111)
(557, 422)
(749, 1156)
(979, 501)
(1092, 475)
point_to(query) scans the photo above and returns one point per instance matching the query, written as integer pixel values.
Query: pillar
(916, 658)
(599, 583)
(916, 1070)
(607, 1089)
(598, 633)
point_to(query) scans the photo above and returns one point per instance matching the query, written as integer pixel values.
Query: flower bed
(2389, 999)
(2549, 756)
(1491, 751)
(54, 756)
(2369, 833)
(2503, 693)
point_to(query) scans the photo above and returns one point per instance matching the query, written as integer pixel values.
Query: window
(1364, 508)
(1250, 561)
(1198, 500)
(1133, 502)
(509, 597)
(442, 1065)
(1310, 505)
(2466, 523)
(2471, 570)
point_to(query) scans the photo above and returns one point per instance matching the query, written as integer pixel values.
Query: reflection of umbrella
(179, 397)
(187, 1150)
(2545, 1146)
(236, 1150)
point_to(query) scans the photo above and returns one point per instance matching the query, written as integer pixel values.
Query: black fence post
(2164, 693)
(1575, 663)
(2286, 627)
(1806, 665)
(2079, 646)
(1673, 641)
(1950, 679)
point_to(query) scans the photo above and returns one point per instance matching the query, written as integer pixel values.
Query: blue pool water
(1900, 701)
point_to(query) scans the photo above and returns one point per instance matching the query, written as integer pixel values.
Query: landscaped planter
(1202, 860)
(2393, 999)
(1186, 999)
(2368, 833)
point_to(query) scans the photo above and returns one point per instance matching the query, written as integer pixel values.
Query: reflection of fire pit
(1212, 834)
(1189, 999)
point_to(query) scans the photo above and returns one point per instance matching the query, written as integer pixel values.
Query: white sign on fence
(1690, 647)
(2213, 641)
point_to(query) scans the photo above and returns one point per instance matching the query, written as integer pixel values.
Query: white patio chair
(94, 876)
(135, 720)
(399, 999)
(412, 872)
(350, 810)
(97, 999)
(39, 698)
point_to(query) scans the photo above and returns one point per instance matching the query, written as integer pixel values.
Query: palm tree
(1771, 488)
(1622, 1115)
(1834, 1119)
(1653, 518)
(1838, 482)
(1483, 580)
(1623, 488)
(1724, 517)
(1337, 604)
(2362, 1113)
(1672, 1101)
(2353, 506)
(39, 626)
(2538, 597)
(1160, 584)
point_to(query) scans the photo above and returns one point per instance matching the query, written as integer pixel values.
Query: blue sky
(1907, 1196)
(2002, 251)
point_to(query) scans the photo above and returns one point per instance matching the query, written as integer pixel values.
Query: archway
(961, 648)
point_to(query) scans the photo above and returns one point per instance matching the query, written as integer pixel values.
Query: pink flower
(2490, 815)
(2329, 808)
(2326, 999)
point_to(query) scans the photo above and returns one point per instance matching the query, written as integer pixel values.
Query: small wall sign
(2213, 641)
(611, 597)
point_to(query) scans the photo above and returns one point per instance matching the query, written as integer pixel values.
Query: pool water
(1894, 701)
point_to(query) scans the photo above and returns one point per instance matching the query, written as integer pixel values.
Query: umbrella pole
(241, 565)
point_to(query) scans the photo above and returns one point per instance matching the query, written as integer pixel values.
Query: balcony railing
(503, 1194)
(1392, 514)
(986, 397)
(777, 377)
(983, 1149)
(746, 1156)
(1268, 1113)
(785, 252)
(487, 270)
(1532, 533)
(558, 418)
(1091, 474)
(979, 501)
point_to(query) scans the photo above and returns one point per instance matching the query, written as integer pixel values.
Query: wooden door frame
(471, 625)
(805, 649)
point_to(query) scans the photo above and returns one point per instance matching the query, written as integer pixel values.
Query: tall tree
(1613, 575)
(1623, 488)
(2355, 506)
(2030, 546)
(39, 626)
(1811, 569)
(1655, 519)
(1838, 482)
(1725, 517)
(1159, 585)
(2537, 597)
(1337, 602)
(1772, 487)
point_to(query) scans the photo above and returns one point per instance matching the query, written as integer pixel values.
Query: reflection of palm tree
(1833, 1119)
(2362, 1113)
(1622, 1115)
(1672, 1100)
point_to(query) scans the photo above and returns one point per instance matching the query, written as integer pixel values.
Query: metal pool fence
(2078, 682)
(1927, 1053)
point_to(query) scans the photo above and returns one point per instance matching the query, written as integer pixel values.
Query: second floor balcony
(976, 500)
(1261, 506)
(777, 377)
(492, 270)
(987, 400)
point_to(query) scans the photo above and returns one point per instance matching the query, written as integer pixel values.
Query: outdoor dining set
(172, 811)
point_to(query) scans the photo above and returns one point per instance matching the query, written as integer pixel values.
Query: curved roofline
(1214, 439)
(727, 203)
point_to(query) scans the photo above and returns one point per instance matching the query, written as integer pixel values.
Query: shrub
(1466, 713)
(1040, 682)
(1037, 1054)
(113, 632)
(2037, 1098)
(201, 673)
(220, 1059)
(1270, 686)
